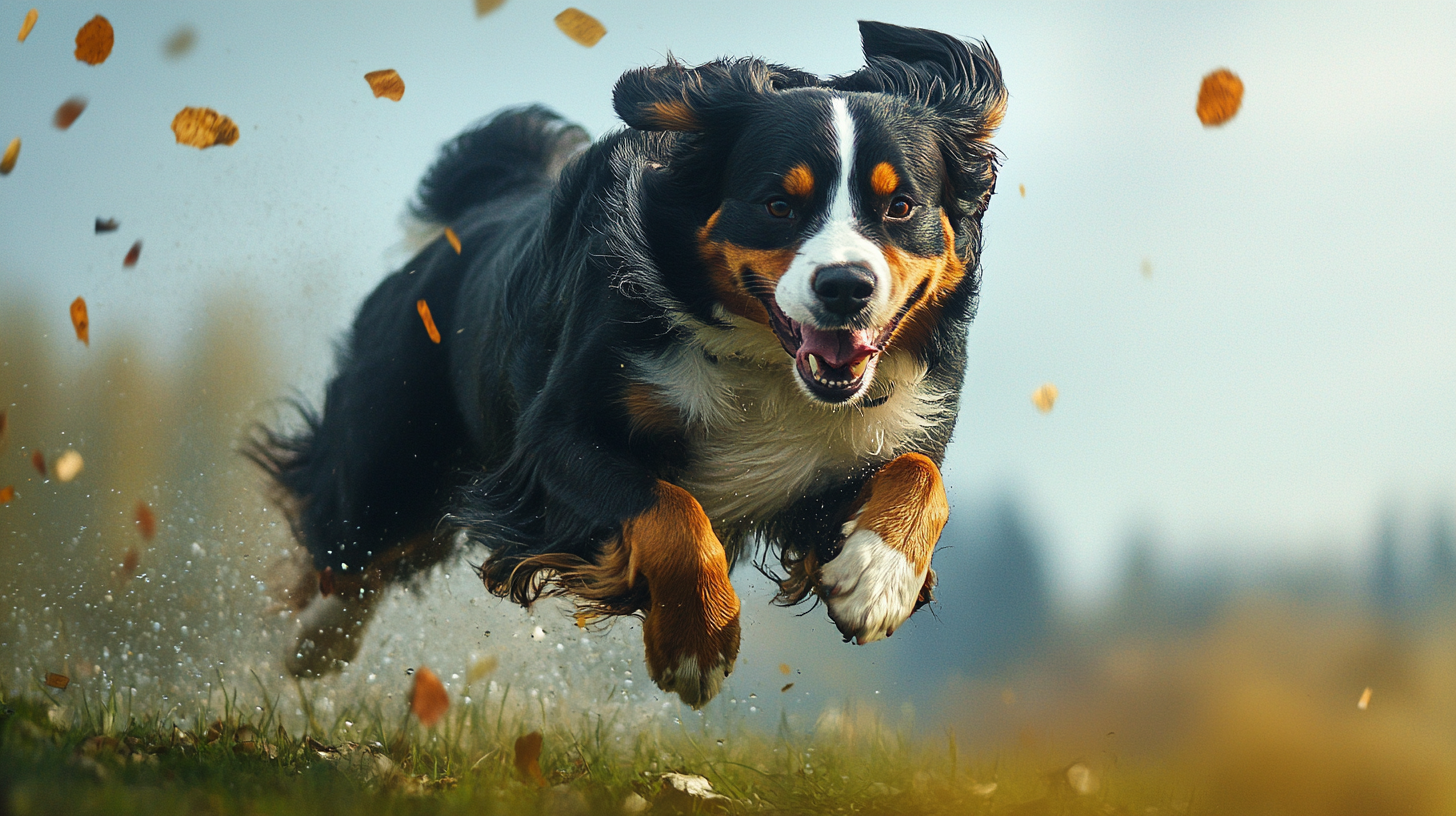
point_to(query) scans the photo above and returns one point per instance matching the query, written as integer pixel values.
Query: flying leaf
(424, 309)
(429, 699)
(203, 127)
(784, 668)
(386, 83)
(180, 43)
(581, 26)
(1044, 398)
(146, 521)
(37, 461)
(94, 41)
(7, 493)
(107, 225)
(57, 681)
(132, 255)
(484, 7)
(81, 321)
(12, 152)
(453, 239)
(326, 582)
(130, 562)
(786, 687)
(69, 112)
(481, 667)
(1219, 97)
(1364, 699)
(69, 465)
(528, 757)
(25, 27)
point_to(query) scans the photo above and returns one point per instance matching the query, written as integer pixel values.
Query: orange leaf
(203, 128)
(25, 27)
(57, 681)
(784, 668)
(1219, 97)
(429, 699)
(81, 321)
(132, 255)
(424, 309)
(146, 522)
(37, 461)
(12, 152)
(528, 757)
(130, 562)
(581, 26)
(7, 493)
(69, 112)
(386, 83)
(1044, 398)
(94, 41)
(453, 239)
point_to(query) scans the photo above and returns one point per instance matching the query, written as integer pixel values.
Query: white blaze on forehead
(838, 240)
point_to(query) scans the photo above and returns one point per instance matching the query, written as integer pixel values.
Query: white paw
(696, 686)
(871, 588)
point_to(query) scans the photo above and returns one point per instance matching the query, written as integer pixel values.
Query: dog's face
(843, 213)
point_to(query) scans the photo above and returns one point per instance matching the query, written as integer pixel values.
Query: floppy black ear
(676, 97)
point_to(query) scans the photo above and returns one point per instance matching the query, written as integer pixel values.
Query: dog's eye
(779, 208)
(900, 207)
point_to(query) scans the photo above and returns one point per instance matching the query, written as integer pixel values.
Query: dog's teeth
(814, 365)
(857, 368)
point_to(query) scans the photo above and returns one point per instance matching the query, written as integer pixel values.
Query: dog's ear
(960, 83)
(675, 97)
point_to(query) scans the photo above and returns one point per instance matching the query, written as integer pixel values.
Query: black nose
(844, 290)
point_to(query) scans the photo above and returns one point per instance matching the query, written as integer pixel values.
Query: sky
(1250, 327)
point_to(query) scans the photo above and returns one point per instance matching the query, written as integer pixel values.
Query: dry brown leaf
(481, 667)
(386, 83)
(180, 43)
(428, 700)
(424, 309)
(454, 240)
(69, 112)
(484, 7)
(130, 562)
(12, 152)
(57, 681)
(37, 461)
(581, 26)
(25, 27)
(146, 521)
(1044, 398)
(784, 668)
(132, 255)
(786, 687)
(1364, 699)
(80, 321)
(1219, 97)
(528, 757)
(203, 128)
(7, 493)
(68, 466)
(94, 41)
(106, 225)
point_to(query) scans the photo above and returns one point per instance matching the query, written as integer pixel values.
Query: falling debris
(454, 240)
(386, 83)
(326, 582)
(1364, 699)
(7, 493)
(581, 26)
(130, 562)
(57, 681)
(428, 700)
(784, 668)
(2, 425)
(1022, 188)
(528, 757)
(94, 41)
(106, 225)
(1044, 398)
(1219, 97)
(481, 668)
(146, 521)
(180, 43)
(132, 255)
(584, 618)
(424, 309)
(203, 128)
(786, 687)
(37, 461)
(69, 465)
(80, 320)
(12, 152)
(1147, 267)
(69, 112)
(484, 7)
(25, 27)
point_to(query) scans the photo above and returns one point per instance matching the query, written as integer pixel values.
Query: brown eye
(899, 208)
(779, 208)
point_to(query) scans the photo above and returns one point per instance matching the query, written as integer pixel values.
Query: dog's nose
(845, 289)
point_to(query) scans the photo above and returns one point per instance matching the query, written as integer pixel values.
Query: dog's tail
(514, 148)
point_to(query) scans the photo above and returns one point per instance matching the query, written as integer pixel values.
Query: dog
(736, 326)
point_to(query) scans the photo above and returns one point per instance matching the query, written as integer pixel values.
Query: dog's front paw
(870, 587)
(687, 656)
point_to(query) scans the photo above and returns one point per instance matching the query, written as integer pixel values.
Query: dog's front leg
(691, 628)
(872, 586)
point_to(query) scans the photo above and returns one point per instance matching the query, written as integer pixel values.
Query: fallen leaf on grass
(69, 465)
(428, 699)
(528, 757)
(481, 667)
(1219, 97)
(80, 321)
(57, 681)
(146, 521)
(386, 83)
(37, 461)
(130, 562)
(1044, 398)
(69, 112)
(7, 493)
(424, 309)
(203, 127)
(180, 43)
(132, 255)
(25, 27)
(106, 225)
(12, 152)
(453, 239)
(581, 27)
(786, 687)
(94, 41)
(1364, 699)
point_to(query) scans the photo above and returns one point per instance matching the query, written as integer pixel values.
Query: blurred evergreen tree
(1386, 592)
(1440, 579)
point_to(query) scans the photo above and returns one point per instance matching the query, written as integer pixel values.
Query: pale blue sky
(1285, 371)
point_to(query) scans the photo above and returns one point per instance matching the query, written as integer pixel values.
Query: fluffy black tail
(513, 149)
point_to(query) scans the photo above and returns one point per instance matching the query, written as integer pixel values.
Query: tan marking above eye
(799, 181)
(884, 180)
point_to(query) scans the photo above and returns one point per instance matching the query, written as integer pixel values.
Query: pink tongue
(837, 348)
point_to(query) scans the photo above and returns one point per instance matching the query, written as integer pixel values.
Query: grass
(73, 755)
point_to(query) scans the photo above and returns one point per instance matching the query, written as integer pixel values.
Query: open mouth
(835, 364)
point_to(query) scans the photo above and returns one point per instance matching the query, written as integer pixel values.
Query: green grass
(65, 754)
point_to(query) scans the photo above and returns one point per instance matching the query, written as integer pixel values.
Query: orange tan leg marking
(691, 628)
(872, 586)
(884, 180)
(799, 181)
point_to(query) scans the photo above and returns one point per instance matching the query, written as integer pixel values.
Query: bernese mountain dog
(733, 330)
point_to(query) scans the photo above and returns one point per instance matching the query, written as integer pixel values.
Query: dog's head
(838, 214)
